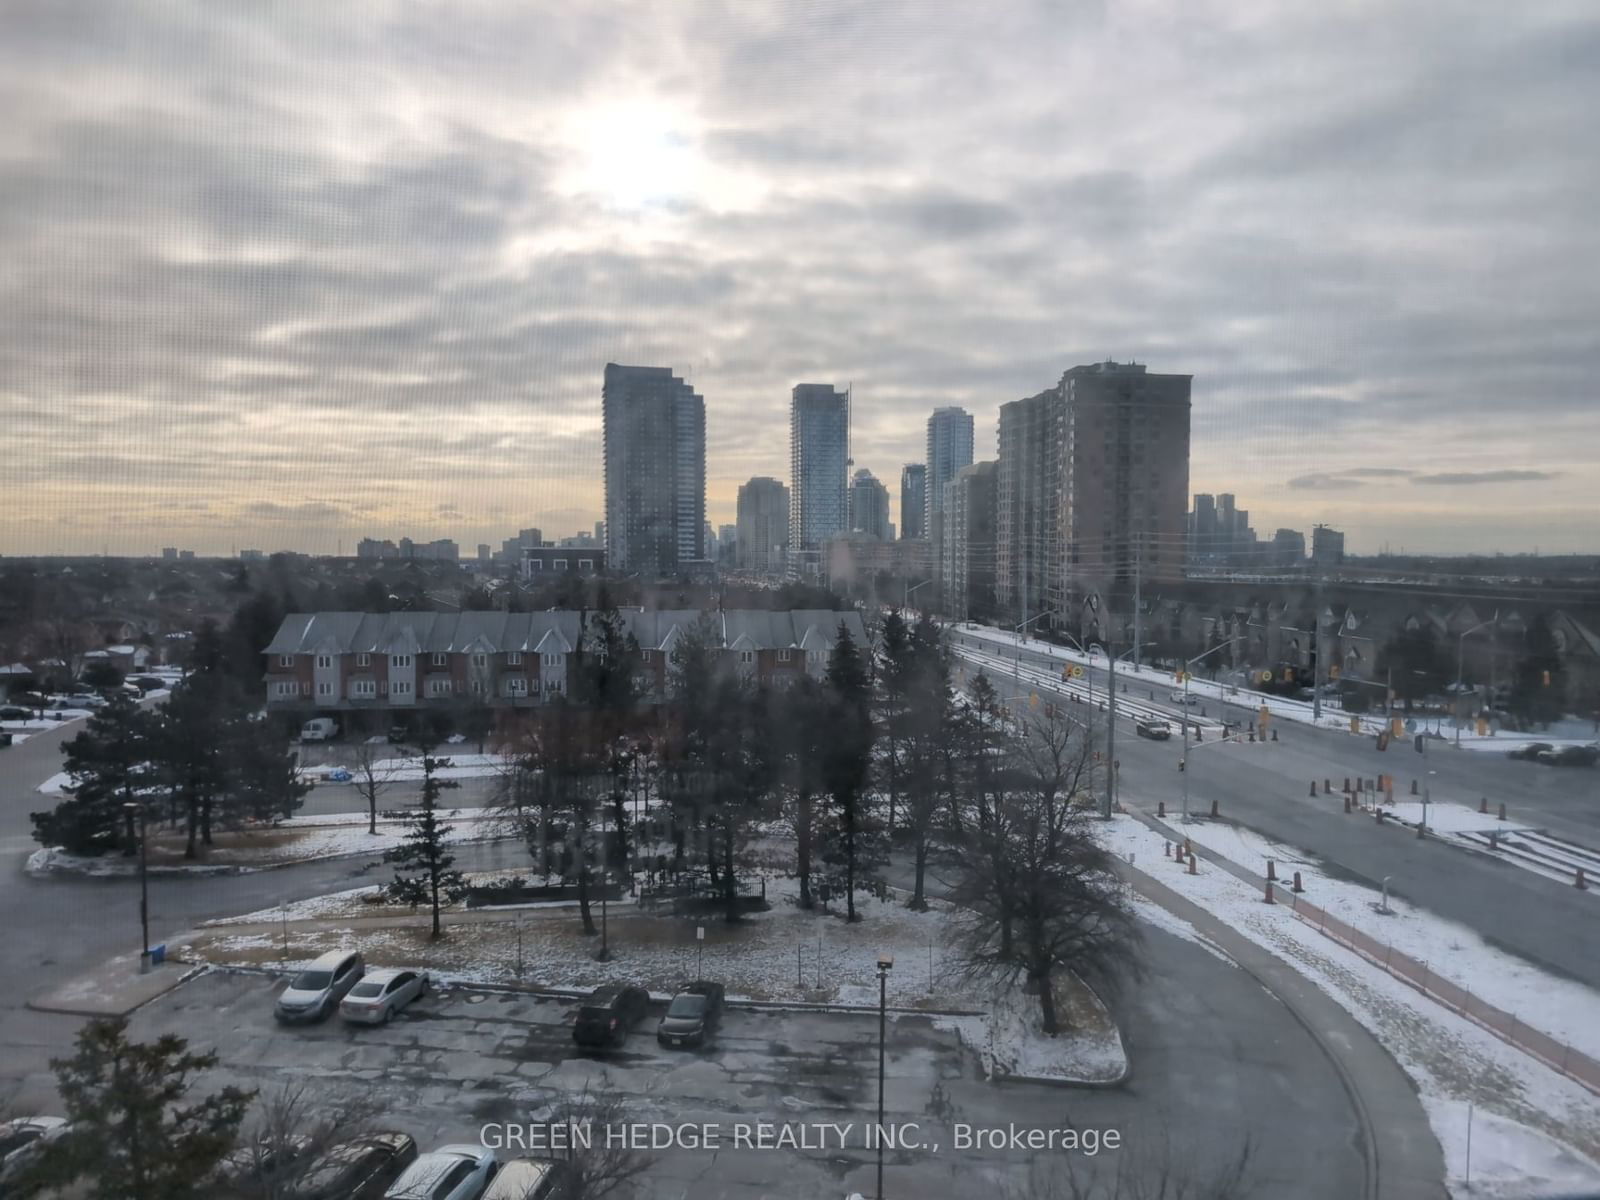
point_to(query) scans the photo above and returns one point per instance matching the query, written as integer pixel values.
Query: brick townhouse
(339, 661)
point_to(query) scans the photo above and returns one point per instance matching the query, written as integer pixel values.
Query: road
(1265, 786)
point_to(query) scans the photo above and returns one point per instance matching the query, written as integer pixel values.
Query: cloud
(1320, 481)
(1455, 477)
(1379, 472)
(309, 511)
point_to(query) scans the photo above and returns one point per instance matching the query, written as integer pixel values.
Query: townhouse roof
(553, 631)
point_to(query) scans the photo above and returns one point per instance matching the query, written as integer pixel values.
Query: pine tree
(136, 1133)
(847, 761)
(263, 782)
(423, 851)
(1537, 695)
(109, 763)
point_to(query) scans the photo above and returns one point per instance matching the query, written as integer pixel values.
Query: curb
(205, 871)
(192, 971)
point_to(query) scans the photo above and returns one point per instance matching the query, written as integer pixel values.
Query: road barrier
(1297, 886)
(1558, 1056)
(1502, 810)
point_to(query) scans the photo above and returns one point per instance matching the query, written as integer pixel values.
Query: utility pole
(1316, 654)
(1138, 641)
(1111, 730)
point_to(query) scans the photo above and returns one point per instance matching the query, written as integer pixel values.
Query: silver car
(381, 994)
(316, 991)
(449, 1173)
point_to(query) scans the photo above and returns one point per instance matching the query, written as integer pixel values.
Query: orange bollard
(1347, 803)
(1213, 808)
(1313, 789)
(1414, 791)
(1502, 810)
(1272, 870)
(1297, 888)
(1274, 735)
(1347, 783)
(1161, 808)
(1327, 787)
(1378, 816)
(1192, 870)
(1580, 883)
(1268, 892)
(1252, 736)
(1166, 849)
(1483, 806)
(1188, 847)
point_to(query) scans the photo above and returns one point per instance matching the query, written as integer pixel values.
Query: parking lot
(458, 1060)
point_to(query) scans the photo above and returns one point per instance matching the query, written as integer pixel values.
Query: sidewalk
(1402, 1154)
(113, 989)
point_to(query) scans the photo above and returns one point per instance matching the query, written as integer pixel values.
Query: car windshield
(312, 981)
(366, 988)
(16, 1139)
(687, 1006)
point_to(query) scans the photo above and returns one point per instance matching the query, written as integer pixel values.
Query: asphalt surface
(1216, 1059)
(1265, 786)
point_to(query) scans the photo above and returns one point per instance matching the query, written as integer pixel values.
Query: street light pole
(1186, 666)
(908, 592)
(1016, 634)
(1461, 654)
(885, 965)
(133, 809)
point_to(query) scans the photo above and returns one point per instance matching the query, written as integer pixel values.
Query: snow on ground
(785, 955)
(1567, 1011)
(408, 768)
(1445, 817)
(1502, 1159)
(54, 785)
(1448, 1057)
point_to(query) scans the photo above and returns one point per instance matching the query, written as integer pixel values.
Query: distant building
(185, 554)
(1288, 548)
(727, 543)
(655, 471)
(1032, 450)
(530, 537)
(853, 560)
(169, 552)
(372, 548)
(484, 552)
(967, 581)
(1327, 546)
(251, 555)
(869, 506)
(949, 448)
(913, 500)
(763, 531)
(540, 561)
(819, 462)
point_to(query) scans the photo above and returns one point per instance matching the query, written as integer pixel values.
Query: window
(513, 659)
(324, 689)
(747, 656)
(647, 656)
(552, 685)
(783, 656)
(517, 686)
(399, 661)
(286, 660)
(441, 660)
(324, 662)
(586, 564)
(363, 689)
(552, 660)
(438, 687)
(400, 687)
(285, 691)
(480, 660)
(560, 564)
(477, 687)
(535, 565)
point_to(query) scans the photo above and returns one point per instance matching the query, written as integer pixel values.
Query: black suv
(692, 1015)
(609, 1015)
(1152, 728)
(1531, 751)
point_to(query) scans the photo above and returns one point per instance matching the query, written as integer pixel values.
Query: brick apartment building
(409, 661)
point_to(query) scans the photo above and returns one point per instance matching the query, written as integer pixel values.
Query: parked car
(1530, 751)
(1158, 730)
(692, 1016)
(318, 729)
(12, 713)
(398, 734)
(337, 775)
(361, 1169)
(1570, 756)
(380, 994)
(147, 683)
(609, 1015)
(449, 1173)
(21, 1141)
(529, 1179)
(1182, 697)
(5, 739)
(316, 991)
(83, 700)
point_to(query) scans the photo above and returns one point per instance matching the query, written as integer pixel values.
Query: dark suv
(692, 1015)
(609, 1014)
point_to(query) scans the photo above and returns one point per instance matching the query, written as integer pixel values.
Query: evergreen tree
(423, 873)
(1538, 690)
(136, 1132)
(928, 724)
(894, 650)
(802, 724)
(263, 782)
(109, 763)
(191, 747)
(847, 762)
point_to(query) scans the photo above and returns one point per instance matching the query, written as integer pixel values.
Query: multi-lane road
(1265, 785)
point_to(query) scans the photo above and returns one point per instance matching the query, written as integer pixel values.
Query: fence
(1559, 1056)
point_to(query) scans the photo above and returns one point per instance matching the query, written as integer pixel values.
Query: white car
(528, 1179)
(381, 994)
(1188, 698)
(449, 1173)
(21, 1140)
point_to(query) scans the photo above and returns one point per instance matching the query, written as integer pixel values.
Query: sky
(285, 275)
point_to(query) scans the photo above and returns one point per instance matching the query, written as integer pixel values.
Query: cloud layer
(288, 276)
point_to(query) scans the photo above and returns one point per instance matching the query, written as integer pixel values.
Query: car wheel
(388, 1014)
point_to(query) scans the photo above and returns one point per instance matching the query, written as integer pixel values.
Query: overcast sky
(285, 275)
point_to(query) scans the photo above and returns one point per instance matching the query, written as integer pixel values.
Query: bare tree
(1038, 891)
(292, 1127)
(599, 1170)
(374, 777)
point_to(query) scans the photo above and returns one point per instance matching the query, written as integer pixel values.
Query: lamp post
(1184, 770)
(1461, 653)
(885, 965)
(1016, 664)
(1110, 804)
(908, 592)
(137, 810)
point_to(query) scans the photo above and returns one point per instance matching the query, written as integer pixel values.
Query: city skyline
(257, 295)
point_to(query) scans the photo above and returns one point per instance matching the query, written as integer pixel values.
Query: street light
(1111, 722)
(1016, 634)
(1185, 760)
(132, 810)
(1461, 652)
(885, 965)
(908, 592)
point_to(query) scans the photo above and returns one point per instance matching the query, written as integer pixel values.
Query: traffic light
(1288, 674)
(1333, 671)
